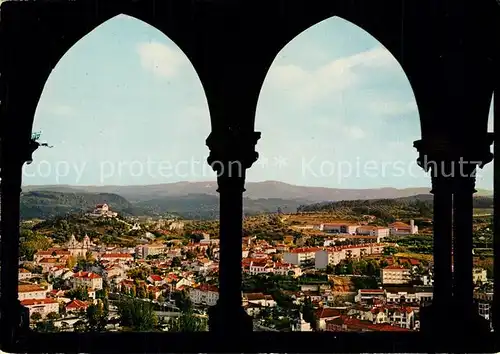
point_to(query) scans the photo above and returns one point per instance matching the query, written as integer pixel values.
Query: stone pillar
(231, 153)
(453, 167)
(471, 323)
(432, 158)
(14, 317)
(463, 287)
(442, 241)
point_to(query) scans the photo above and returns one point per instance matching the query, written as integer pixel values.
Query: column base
(224, 321)
(454, 322)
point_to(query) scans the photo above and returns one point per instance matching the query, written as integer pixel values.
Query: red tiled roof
(117, 255)
(28, 288)
(327, 312)
(77, 304)
(354, 323)
(87, 275)
(208, 287)
(372, 291)
(31, 302)
(395, 267)
(305, 250)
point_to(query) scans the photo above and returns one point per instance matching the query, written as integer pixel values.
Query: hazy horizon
(124, 107)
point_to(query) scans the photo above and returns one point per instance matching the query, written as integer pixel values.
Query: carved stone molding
(232, 146)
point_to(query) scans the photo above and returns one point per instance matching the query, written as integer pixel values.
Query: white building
(87, 279)
(379, 232)
(369, 294)
(205, 294)
(335, 255)
(117, 257)
(479, 275)
(400, 228)
(339, 228)
(78, 249)
(410, 295)
(144, 251)
(259, 299)
(299, 256)
(24, 274)
(41, 306)
(325, 257)
(395, 274)
(31, 291)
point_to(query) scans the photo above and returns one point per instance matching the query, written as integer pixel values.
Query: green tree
(96, 318)
(46, 327)
(141, 292)
(330, 269)
(137, 315)
(390, 250)
(79, 326)
(190, 255)
(309, 313)
(188, 322)
(31, 243)
(53, 316)
(183, 301)
(176, 262)
(79, 293)
(36, 316)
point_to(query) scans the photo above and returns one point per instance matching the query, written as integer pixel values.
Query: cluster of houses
(395, 229)
(323, 256)
(394, 307)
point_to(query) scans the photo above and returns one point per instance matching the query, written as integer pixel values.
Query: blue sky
(125, 106)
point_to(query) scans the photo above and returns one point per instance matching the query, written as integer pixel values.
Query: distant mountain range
(193, 199)
(254, 190)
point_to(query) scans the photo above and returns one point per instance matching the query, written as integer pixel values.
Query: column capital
(230, 148)
(447, 152)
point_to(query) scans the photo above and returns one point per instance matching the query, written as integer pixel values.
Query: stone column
(231, 153)
(471, 323)
(432, 158)
(442, 240)
(14, 317)
(464, 182)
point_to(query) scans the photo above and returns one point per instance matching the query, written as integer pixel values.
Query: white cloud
(309, 86)
(160, 59)
(391, 108)
(354, 132)
(62, 110)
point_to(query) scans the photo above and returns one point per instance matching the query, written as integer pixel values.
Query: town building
(395, 274)
(479, 275)
(204, 294)
(102, 211)
(42, 306)
(89, 280)
(31, 291)
(78, 249)
(299, 256)
(400, 228)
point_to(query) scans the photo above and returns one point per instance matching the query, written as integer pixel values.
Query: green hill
(47, 204)
(418, 206)
(205, 206)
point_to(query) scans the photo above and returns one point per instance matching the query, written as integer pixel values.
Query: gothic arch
(132, 33)
(368, 56)
(292, 32)
(44, 24)
(72, 41)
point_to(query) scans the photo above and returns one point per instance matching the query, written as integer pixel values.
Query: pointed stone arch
(337, 75)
